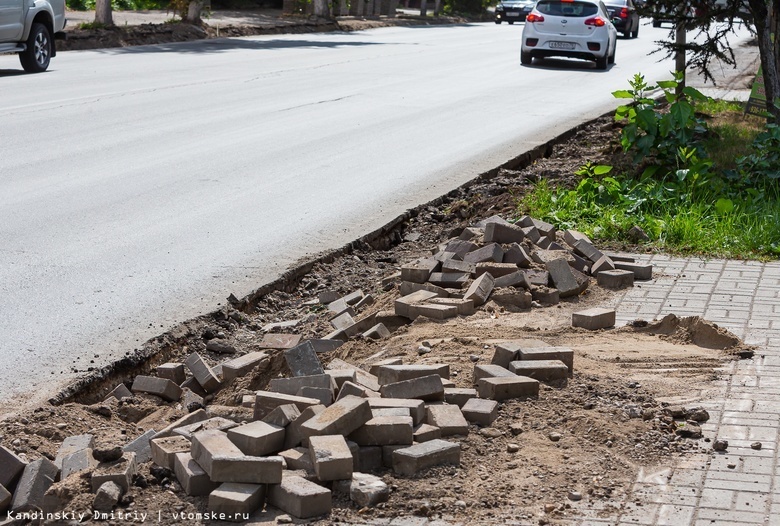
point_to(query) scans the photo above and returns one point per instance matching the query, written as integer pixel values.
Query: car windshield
(558, 8)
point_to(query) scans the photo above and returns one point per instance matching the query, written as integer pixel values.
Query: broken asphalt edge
(166, 343)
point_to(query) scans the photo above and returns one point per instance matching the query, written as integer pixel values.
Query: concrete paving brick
(293, 434)
(302, 360)
(73, 444)
(384, 431)
(235, 502)
(5, 499)
(190, 418)
(503, 233)
(428, 388)
(497, 270)
(586, 249)
(563, 278)
(223, 461)
(641, 272)
(450, 280)
(165, 389)
(172, 371)
(407, 288)
(388, 374)
(300, 498)
(282, 415)
(460, 247)
(615, 279)
(340, 376)
(377, 332)
(503, 388)
(77, 461)
(448, 418)
(331, 457)
(593, 319)
(119, 392)
(491, 252)
(426, 432)
(292, 385)
(464, 307)
(367, 490)
(107, 496)
(120, 472)
(457, 266)
(416, 407)
(298, 458)
(192, 385)
(36, 478)
(241, 366)
(432, 311)
(369, 458)
(480, 289)
(459, 396)
(517, 255)
(341, 418)
(193, 480)
(516, 279)
(512, 297)
(410, 460)
(601, 265)
(419, 271)
(141, 446)
(164, 450)
(342, 321)
(480, 412)
(202, 373)
(491, 371)
(217, 422)
(403, 304)
(364, 378)
(506, 352)
(353, 389)
(266, 401)
(323, 394)
(373, 368)
(542, 370)
(257, 438)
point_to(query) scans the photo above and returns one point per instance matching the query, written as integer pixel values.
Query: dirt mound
(696, 330)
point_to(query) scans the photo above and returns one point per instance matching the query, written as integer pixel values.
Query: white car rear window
(573, 9)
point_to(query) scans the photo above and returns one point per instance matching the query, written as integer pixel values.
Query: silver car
(569, 28)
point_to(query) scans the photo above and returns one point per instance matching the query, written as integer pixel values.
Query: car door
(11, 20)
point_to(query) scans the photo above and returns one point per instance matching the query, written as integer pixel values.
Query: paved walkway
(742, 485)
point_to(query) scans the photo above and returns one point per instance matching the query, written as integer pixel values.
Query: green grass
(687, 225)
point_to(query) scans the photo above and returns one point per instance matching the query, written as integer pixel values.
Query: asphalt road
(139, 187)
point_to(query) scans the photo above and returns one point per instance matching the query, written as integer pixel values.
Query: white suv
(29, 27)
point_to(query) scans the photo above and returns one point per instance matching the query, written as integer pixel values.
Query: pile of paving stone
(327, 429)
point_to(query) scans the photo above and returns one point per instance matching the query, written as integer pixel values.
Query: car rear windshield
(558, 8)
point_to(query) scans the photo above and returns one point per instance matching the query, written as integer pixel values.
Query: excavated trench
(94, 387)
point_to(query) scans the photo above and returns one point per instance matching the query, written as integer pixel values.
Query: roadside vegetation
(703, 178)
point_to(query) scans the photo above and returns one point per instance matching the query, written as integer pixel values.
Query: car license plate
(513, 14)
(562, 45)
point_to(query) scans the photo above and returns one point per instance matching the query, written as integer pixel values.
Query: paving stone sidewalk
(740, 486)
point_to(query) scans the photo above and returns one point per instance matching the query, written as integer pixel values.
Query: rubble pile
(329, 429)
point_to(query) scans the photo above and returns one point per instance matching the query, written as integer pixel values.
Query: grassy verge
(706, 183)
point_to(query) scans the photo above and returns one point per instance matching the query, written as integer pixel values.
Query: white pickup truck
(29, 27)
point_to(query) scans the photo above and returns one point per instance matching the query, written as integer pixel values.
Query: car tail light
(594, 46)
(534, 18)
(531, 42)
(624, 13)
(595, 21)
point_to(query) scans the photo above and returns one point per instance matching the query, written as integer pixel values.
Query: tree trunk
(766, 16)
(103, 13)
(193, 11)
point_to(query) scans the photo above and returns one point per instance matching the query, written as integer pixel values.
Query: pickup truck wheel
(35, 59)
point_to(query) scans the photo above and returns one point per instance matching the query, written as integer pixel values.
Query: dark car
(625, 16)
(513, 10)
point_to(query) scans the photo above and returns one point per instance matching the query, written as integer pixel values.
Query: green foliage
(118, 5)
(650, 133)
(466, 7)
(682, 200)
